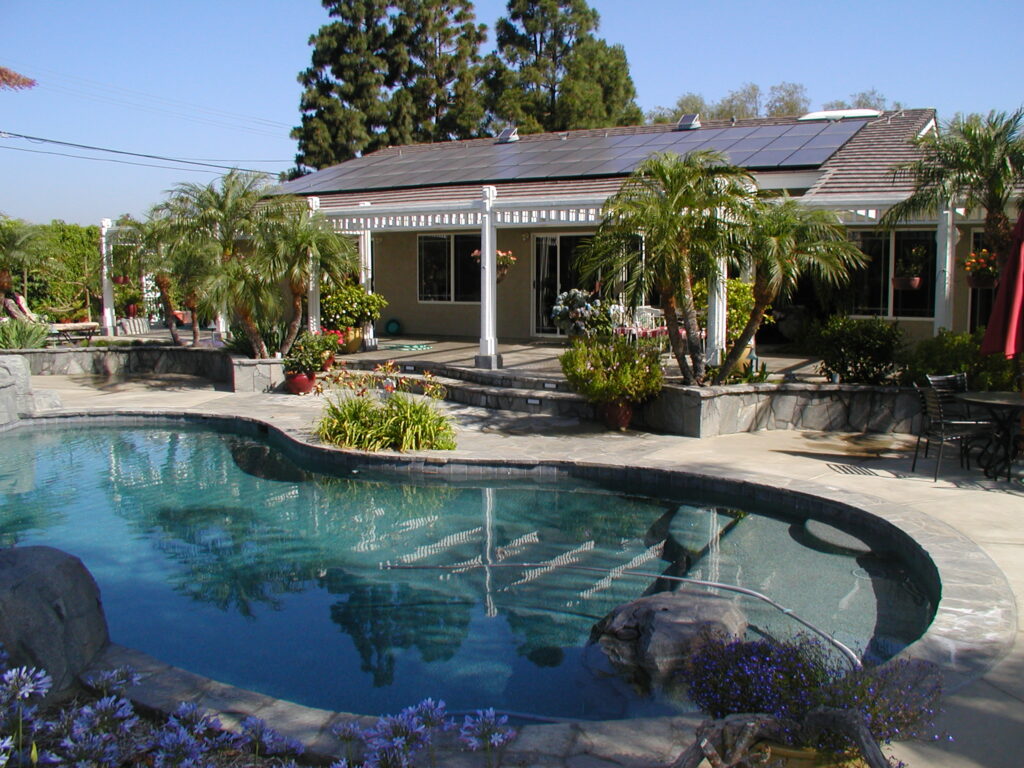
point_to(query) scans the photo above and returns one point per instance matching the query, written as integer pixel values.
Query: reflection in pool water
(218, 554)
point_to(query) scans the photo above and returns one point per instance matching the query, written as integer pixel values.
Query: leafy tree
(688, 104)
(19, 242)
(345, 102)
(13, 81)
(150, 241)
(783, 241)
(975, 161)
(787, 99)
(548, 62)
(69, 254)
(441, 82)
(869, 99)
(744, 102)
(291, 244)
(688, 210)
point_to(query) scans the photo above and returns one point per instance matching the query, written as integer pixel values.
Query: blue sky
(216, 79)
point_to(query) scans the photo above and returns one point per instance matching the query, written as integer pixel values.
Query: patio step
(499, 390)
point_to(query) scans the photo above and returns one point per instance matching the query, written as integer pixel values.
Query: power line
(124, 152)
(108, 160)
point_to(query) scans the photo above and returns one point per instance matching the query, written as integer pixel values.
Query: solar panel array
(765, 147)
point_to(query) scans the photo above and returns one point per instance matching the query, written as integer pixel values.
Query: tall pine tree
(389, 72)
(549, 70)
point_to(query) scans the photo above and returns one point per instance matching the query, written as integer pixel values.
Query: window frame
(452, 267)
(889, 291)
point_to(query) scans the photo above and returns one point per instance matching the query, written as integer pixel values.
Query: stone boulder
(51, 616)
(653, 636)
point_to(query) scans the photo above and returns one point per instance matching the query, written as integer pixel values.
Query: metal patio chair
(943, 427)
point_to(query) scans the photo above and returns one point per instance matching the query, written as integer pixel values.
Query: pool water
(216, 553)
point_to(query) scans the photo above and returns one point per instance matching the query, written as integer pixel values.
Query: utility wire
(123, 152)
(109, 160)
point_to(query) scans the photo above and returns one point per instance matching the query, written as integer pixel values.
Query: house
(421, 211)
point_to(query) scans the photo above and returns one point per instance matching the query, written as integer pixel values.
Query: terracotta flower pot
(617, 415)
(353, 340)
(300, 383)
(906, 283)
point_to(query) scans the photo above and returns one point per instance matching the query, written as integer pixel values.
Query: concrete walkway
(985, 717)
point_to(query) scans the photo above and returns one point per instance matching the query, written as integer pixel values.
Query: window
(878, 289)
(447, 269)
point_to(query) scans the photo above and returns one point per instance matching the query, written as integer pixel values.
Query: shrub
(860, 351)
(739, 304)
(310, 352)
(579, 314)
(399, 422)
(612, 371)
(19, 334)
(949, 352)
(350, 305)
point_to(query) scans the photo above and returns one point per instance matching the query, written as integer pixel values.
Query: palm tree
(18, 241)
(151, 241)
(976, 162)
(227, 213)
(291, 245)
(686, 209)
(785, 240)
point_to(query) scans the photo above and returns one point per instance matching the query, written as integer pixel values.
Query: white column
(106, 266)
(313, 289)
(713, 351)
(366, 279)
(946, 236)
(488, 357)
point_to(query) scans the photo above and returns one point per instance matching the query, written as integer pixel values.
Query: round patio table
(1004, 408)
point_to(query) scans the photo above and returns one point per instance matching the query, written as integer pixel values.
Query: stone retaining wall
(712, 411)
(213, 364)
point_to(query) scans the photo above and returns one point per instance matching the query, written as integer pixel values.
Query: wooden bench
(72, 332)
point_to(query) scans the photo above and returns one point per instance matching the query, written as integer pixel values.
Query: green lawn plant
(612, 371)
(19, 334)
(376, 411)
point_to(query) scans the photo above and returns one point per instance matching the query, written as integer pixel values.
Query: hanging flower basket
(981, 280)
(504, 261)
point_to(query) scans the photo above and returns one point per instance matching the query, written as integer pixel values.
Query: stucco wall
(395, 277)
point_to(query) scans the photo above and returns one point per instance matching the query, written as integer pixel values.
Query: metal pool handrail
(838, 645)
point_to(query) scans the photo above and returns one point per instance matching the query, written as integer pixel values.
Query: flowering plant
(982, 264)
(809, 698)
(504, 258)
(310, 353)
(578, 313)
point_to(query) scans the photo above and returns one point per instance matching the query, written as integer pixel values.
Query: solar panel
(767, 146)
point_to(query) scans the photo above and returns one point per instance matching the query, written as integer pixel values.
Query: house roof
(849, 157)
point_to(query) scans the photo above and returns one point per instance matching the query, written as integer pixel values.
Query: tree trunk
(692, 328)
(675, 340)
(998, 235)
(295, 324)
(192, 304)
(252, 333)
(762, 300)
(163, 285)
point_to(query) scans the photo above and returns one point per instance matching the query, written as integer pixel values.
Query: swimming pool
(217, 553)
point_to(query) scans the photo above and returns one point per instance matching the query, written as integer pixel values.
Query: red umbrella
(1004, 334)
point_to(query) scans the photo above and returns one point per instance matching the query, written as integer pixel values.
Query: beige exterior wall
(395, 278)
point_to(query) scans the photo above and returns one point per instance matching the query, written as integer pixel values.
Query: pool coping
(963, 641)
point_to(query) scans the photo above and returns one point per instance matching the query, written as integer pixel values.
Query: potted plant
(504, 260)
(982, 269)
(909, 267)
(796, 702)
(348, 308)
(614, 374)
(309, 355)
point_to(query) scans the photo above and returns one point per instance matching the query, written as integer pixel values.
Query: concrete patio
(985, 717)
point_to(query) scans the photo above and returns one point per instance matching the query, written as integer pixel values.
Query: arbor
(292, 245)
(688, 210)
(974, 161)
(549, 63)
(782, 241)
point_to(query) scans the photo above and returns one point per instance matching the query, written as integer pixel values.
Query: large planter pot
(906, 283)
(981, 281)
(616, 415)
(354, 340)
(300, 383)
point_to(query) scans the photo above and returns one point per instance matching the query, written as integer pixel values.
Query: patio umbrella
(1004, 334)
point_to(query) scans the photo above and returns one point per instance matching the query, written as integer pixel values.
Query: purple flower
(265, 740)
(114, 681)
(404, 731)
(109, 715)
(91, 749)
(21, 683)
(174, 747)
(486, 731)
(433, 715)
